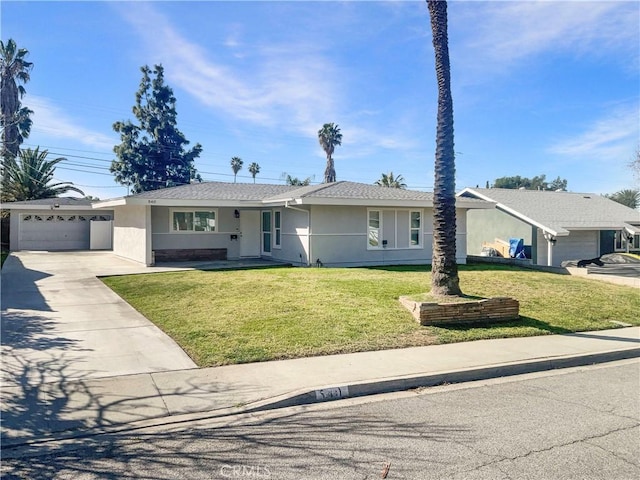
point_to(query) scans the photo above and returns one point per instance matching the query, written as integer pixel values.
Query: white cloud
(610, 139)
(51, 121)
(500, 33)
(282, 87)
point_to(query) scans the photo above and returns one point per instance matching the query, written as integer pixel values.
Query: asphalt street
(579, 423)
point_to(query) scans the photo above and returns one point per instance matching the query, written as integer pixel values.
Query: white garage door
(57, 231)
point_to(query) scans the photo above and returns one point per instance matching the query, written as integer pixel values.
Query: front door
(249, 233)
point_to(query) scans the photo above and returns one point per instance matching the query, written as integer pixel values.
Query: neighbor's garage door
(55, 231)
(578, 245)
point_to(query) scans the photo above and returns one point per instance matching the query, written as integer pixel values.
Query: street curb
(329, 393)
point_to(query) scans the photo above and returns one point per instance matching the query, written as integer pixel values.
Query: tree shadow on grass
(522, 322)
(469, 267)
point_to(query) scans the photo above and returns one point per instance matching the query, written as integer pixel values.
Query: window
(193, 221)
(374, 228)
(276, 228)
(266, 232)
(392, 229)
(415, 229)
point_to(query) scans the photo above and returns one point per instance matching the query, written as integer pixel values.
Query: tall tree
(236, 166)
(29, 177)
(296, 182)
(539, 182)
(444, 269)
(152, 153)
(15, 119)
(628, 197)
(329, 137)
(388, 180)
(558, 184)
(254, 169)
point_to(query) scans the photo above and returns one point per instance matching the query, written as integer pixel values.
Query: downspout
(551, 241)
(297, 209)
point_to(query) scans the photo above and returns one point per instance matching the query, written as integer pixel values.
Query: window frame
(277, 229)
(380, 228)
(266, 236)
(418, 229)
(193, 212)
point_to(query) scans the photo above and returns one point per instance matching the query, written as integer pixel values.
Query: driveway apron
(61, 323)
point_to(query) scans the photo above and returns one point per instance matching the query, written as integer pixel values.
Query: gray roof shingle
(354, 191)
(560, 211)
(46, 202)
(217, 191)
(274, 192)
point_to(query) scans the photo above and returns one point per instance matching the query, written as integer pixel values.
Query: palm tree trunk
(444, 270)
(329, 172)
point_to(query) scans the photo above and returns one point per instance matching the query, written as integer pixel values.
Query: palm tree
(236, 166)
(391, 181)
(630, 198)
(254, 169)
(28, 177)
(444, 270)
(14, 119)
(329, 137)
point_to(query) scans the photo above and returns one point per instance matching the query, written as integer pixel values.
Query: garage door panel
(54, 232)
(578, 245)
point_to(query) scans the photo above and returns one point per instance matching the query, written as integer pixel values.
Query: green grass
(225, 317)
(3, 257)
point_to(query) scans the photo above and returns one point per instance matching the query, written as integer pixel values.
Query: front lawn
(225, 317)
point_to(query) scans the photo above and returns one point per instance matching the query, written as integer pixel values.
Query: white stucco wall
(294, 238)
(339, 238)
(132, 233)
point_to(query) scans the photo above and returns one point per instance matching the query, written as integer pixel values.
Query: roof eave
(363, 202)
(556, 232)
(46, 207)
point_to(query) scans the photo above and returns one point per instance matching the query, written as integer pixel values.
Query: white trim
(43, 207)
(515, 213)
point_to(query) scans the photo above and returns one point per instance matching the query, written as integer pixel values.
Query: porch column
(551, 241)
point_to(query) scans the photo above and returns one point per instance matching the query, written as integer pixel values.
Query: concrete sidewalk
(97, 405)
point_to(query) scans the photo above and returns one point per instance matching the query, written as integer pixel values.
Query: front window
(415, 229)
(193, 221)
(394, 229)
(276, 228)
(374, 228)
(266, 232)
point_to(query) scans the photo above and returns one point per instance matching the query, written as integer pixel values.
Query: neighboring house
(556, 226)
(63, 223)
(334, 224)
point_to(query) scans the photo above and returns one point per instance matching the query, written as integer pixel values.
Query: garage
(54, 224)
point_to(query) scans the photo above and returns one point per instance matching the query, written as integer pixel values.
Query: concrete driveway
(60, 323)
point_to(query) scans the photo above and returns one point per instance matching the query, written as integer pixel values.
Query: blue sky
(538, 87)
